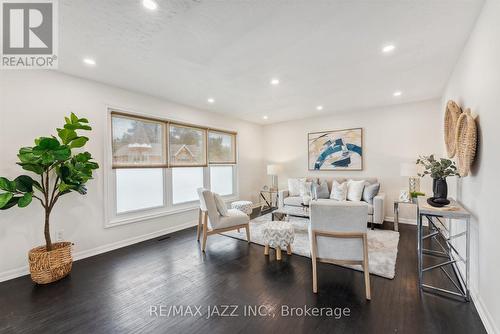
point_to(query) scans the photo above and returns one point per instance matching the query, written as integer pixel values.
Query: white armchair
(213, 222)
(337, 234)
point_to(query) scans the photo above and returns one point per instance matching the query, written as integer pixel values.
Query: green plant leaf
(12, 202)
(7, 185)
(83, 120)
(25, 200)
(74, 119)
(77, 126)
(66, 135)
(62, 154)
(47, 143)
(24, 183)
(5, 198)
(79, 142)
(32, 168)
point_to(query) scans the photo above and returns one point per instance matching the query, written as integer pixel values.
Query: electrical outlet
(60, 235)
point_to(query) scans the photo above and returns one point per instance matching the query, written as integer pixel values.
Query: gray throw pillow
(370, 191)
(321, 190)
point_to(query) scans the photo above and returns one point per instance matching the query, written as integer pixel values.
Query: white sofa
(376, 212)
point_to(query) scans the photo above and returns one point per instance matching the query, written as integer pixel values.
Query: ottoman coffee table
(278, 234)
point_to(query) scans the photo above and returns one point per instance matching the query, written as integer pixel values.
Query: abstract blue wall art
(336, 150)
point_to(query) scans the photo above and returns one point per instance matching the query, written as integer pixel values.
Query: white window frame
(112, 218)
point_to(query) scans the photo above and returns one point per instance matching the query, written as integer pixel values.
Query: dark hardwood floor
(114, 293)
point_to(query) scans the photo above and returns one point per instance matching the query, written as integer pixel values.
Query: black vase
(440, 188)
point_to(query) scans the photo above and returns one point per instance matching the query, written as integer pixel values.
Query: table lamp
(273, 171)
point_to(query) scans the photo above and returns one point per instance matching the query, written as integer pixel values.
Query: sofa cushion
(293, 201)
(221, 205)
(234, 217)
(339, 191)
(320, 190)
(305, 188)
(370, 191)
(355, 190)
(294, 186)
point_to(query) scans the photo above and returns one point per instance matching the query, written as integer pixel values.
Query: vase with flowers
(438, 169)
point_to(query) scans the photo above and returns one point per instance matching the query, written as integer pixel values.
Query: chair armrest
(379, 208)
(282, 194)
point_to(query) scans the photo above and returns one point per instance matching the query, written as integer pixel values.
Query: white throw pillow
(355, 190)
(294, 187)
(339, 191)
(305, 188)
(221, 205)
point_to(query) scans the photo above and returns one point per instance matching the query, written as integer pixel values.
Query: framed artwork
(335, 150)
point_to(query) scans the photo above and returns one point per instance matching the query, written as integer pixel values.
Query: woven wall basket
(47, 267)
(451, 116)
(466, 141)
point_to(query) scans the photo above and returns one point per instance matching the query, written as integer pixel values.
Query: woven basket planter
(47, 267)
(451, 116)
(466, 141)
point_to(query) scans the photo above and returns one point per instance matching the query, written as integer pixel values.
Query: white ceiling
(324, 52)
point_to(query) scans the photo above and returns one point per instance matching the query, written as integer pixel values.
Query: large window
(187, 146)
(138, 189)
(158, 165)
(222, 180)
(138, 142)
(185, 181)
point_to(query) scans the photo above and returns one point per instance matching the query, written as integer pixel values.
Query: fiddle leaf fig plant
(58, 170)
(437, 168)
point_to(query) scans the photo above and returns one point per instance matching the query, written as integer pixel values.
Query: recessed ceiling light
(388, 48)
(89, 61)
(210, 100)
(319, 108)
(150, 4)
(265, 117)
(275, 81)
(397, 93)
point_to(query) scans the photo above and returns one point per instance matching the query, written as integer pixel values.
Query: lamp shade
(273, 169)
(408, 169)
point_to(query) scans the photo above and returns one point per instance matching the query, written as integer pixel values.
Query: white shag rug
(382, 244)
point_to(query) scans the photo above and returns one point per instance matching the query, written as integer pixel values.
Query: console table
(440, 235)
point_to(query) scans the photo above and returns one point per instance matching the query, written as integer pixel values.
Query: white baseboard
(21, 271)
(485, 316)
(402, 220)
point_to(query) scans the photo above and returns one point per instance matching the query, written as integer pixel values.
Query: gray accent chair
(213, 222)
(337, 234)
(376, 211)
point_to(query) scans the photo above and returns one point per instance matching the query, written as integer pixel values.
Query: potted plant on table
(438, 170)
(59, 171)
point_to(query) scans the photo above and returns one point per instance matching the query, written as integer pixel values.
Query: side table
(396, 212)
(271, 200)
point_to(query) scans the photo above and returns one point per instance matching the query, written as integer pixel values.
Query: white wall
(34, 103)
(392, 135)
(475, 84)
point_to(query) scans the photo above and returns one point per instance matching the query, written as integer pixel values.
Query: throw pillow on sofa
(339, 191)
(221, 206)
(294, 187)
(355, 190)
(370, 191)
(320, 190)
(305, 188)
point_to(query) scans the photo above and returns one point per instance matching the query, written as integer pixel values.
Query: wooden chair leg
(247, 228)
(366, 268)
(266, 250)
(205, 232)
(278, 253)
(289, 250)
(314, 264)
(199, 227)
